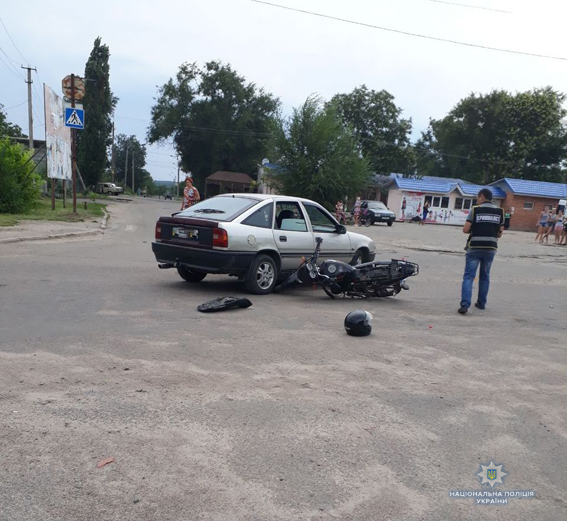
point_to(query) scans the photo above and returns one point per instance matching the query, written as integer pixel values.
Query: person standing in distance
(485, 224)
(425, 212)
(356, 210)
(191, 195)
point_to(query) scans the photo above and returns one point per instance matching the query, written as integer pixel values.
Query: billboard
(412, 206)
(57, 137)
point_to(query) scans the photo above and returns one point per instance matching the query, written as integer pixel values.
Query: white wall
(416, 200)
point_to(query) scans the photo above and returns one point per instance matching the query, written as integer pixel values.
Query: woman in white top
(559, 227)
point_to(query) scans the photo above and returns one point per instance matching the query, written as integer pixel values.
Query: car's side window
(289, 217)
(320, 221)
(261, 218)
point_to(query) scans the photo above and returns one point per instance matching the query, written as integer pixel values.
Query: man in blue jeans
(485, 224)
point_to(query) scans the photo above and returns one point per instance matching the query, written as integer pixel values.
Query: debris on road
(104, 462)
(224, 303)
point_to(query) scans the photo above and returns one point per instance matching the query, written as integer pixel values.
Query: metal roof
(230, 177)
(470, 189)
(536, 188)
(439, 186)
(422, 185)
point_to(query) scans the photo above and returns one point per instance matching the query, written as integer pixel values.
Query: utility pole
(74, 148)
(133, 170)
(113, 161)
(30, 113)
(126, 167)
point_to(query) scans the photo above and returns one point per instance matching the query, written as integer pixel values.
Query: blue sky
(291, 54)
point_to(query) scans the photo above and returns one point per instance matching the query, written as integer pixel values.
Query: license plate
(184, 233)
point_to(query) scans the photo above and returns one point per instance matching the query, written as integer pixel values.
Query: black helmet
(357, 323)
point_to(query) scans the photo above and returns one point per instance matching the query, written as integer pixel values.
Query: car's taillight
(158, 231)
(220, 238)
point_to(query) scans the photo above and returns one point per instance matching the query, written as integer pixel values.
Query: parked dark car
(167, 196)
(379, 212)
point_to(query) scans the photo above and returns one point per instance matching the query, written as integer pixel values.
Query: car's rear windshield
(219, 208)
(378, 205)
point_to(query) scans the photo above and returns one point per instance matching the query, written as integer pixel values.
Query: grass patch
(43, 212)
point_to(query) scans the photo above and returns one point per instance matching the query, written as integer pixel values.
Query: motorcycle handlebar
(294, 278)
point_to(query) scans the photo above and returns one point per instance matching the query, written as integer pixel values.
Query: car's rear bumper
(206, 261)
(384, 218)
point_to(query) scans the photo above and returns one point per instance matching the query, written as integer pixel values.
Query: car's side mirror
(341, 230)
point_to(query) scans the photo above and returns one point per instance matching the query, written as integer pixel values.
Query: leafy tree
(137, 153)
(487, 137)
(318, 155)
(99, 104)
(20, 188)
(7, 128)
(383, 135)
(218, 121)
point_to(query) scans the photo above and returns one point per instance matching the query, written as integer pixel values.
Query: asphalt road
(273, 413)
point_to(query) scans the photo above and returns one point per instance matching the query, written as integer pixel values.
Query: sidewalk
(44, 230)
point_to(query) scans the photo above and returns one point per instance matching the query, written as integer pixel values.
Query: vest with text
(486, 222)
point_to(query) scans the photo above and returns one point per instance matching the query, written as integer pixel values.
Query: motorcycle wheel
(368, 222)
(329, 292)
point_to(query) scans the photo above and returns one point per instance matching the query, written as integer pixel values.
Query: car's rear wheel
(190, 276)
(360, 257)
(262, 276)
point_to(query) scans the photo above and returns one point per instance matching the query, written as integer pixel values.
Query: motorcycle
(365, 218)
(371, 279)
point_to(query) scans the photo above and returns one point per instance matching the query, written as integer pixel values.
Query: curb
(61, 235)
(47, 237)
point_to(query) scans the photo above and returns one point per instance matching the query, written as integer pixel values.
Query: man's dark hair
(486, 193)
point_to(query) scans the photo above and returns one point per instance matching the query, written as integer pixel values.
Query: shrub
(20, 188)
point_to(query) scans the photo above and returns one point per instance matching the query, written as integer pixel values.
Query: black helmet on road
(357, 323)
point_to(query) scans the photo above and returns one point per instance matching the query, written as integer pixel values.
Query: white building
(450, 200)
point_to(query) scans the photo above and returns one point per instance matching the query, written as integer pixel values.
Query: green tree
(218, 121)
(99, 104)
(318, 155)
(20, 188)
(383, 135)
(487, 137)
(137, 156)
(7, 128)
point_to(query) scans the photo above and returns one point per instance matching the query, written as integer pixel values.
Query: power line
(16, 106)
(406, 33)
(470, 6)
(207, 129)
(159, 153)
(10, 66)
(14, 43)
(4, 63)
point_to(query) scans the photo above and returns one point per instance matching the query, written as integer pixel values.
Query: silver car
(258, 238)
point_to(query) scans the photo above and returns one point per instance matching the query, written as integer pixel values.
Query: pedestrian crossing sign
(74, 118)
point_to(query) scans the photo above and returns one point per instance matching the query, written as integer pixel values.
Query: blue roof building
(527, 199)
(533, 188)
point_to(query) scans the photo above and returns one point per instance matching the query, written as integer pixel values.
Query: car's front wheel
(390, 223)
(190, 276)
(360, 257)
(262, 276)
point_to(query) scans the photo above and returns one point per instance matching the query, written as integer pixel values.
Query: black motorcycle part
(223, 303)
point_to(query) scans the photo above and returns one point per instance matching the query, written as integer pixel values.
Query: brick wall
(525, 220)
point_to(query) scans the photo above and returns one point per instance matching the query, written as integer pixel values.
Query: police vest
(486, 222)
